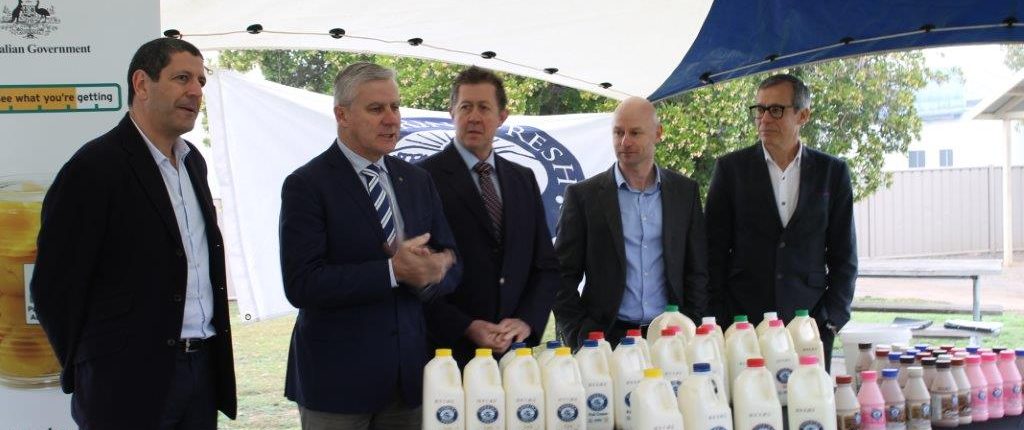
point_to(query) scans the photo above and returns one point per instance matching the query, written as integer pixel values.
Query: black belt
(628, 325)
(193, 345)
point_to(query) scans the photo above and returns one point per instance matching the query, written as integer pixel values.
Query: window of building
(917, 159)
(945, 157)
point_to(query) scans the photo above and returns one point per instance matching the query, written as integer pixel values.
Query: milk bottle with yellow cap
(524, 392)
(443, 398)
(485, 398)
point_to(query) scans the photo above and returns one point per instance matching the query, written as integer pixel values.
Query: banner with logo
(63, 83)
(263, 131)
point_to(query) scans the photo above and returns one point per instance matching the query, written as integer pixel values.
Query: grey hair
(801, 94)
(350, 78)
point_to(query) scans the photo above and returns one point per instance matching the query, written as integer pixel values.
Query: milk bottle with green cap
(804, 331)
(671, 317)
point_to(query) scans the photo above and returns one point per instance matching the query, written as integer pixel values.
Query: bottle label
(763, 426)
(597, 402)
(1012, 392)
(782, 376)
(896, 413)
(810, 425)
(849, 421)
(872, 416)
(487, 414)
(447, 414)
(945, 406)
(568, 412)
(964, 399)
(920, 414)
(997, 393)
(527, 413)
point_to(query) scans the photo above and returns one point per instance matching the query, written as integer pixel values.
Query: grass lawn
(261, 350)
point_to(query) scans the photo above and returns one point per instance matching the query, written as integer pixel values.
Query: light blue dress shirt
(198, 318)
(645, 296)
(471, 161)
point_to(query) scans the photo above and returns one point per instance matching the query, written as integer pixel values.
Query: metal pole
(1007, 197)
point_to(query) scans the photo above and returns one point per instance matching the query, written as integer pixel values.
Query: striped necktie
(490, 196)
(379, 198)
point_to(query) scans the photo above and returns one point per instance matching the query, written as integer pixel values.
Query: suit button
(782, 244)
(177, 298)
(501, 281)
(778, 276)
(179, 252)
(171, 342)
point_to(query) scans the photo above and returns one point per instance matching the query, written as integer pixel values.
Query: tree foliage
(862, 107)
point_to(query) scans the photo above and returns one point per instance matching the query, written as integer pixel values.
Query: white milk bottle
(627, 371)
(716, 332)
(806, 338)
(779, 355)
(505, 359)
(704, 349)
(865, 358)
(524, 392)
(641, 344)
(548, 353)
(895, 403)
(597, 382)
(564, 394)
(671, 317)
(485, 399)
(732, 328)
(602, 344)
(654, 405)
(443, 399)
(812, 403)
(919, 401)
(847, 406)
(755, 403)
(945, 405)
(703, 405)
(669, 355)
(740, 346)
(763, 325)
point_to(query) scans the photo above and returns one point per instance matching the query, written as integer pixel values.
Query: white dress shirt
(785, 183)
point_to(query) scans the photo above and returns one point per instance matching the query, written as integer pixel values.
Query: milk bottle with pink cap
(995, 385)
(979, 388)
(872, 403)
(1011, 384)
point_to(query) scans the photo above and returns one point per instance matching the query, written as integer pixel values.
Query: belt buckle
(188, 346)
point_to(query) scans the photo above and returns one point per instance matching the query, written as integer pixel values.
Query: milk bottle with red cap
(979, 388)
(671, 317)
(716, 332)
(1011, 384)
(704, 349)
(741, 346)
(628, 366)
(995, 385)
(444, 401)
(847, 407)
(654, 404)
(703, 405)
(602, 344)
(642, 345)
(812, 403)
(779, 355)
(597, 382)
(669, 355)
(485, 398)
(755, 402)
(524, 392)
(872, 403)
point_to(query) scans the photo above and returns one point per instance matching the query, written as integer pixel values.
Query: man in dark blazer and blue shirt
(636, 232)
(129, 282)
(780, 221)
(495, 210)
(364, 244)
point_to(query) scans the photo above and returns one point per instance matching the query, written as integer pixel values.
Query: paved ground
(1006, 289)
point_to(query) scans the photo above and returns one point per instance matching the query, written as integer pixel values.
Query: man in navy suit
(129, 282)
(495, 210)
(364, 244)
(780, 220)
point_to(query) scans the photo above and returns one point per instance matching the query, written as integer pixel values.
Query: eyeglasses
(776, 111)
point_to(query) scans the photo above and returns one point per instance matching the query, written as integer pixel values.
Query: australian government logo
(553, 165)
(29, 19)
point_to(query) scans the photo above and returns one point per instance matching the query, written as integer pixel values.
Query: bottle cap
(921, 346)
(928, 361)
(705, 329)
(844, 379)
(809, 359)
(972, 349)
(988, 357)
(553, 344)
(998, 349)
(484, 352)
(740, 318)
(868, 375)
(443, 352)
(708, 320)
(894, 356)
(743, 326)
(1006, 355)
(668, 332)
(771, 316)
(671, 308)
(957, 361)
(890, 373)
(595, 335)
(517, 345)
(627, 341)
(973, 359)
(524, 352)
(882, 354)
(701, 367)
(563, 352)
(915, 371)
(633, 332)
(942, 364)
(652, 373)
(775, 323)
(802, 313)
(906, 359)
(590, 343)
(755, 362)
(863, 346)
(1019, 352)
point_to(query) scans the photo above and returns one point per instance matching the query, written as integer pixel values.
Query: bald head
(635, 131)
(637, 108)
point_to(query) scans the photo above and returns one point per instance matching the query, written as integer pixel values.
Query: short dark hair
(801, 94)
(477, 75)
(153, 56)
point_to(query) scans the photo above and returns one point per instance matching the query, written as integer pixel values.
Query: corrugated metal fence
(932, 212)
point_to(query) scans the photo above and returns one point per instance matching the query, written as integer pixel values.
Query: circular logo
(926, 410)
(568, 412)
(763, 426)
(1016, 389)
(997, 393)
(597, 402)
(981, 395)
(627, 398)
(447, 414)
(675, 386)
(856, 418)
(783, 375)
(487, 414)
(551, 162)
(527, 413)
(894, 412)
(811, 425)
(876, 414)
(718, 428)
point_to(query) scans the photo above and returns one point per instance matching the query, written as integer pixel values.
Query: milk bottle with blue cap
(485, 398)
(597, 382)
(548, 352)
(628, 366)
(564, 395)
(505, 359)
(443, 397)
(703, 405)
(524, 392)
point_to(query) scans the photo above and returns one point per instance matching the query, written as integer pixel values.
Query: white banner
(262, 131)
(63, 83)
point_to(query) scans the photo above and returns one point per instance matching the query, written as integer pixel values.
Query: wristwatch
(832, 327)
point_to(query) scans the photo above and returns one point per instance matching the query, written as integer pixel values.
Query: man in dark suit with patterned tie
(495, 210)
(364, 243)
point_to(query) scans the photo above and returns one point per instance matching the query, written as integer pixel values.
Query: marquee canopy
(651, 48)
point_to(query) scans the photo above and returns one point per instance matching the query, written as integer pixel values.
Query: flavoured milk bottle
(485, 398)
(654, 404)
(812, 403)
(1011, 384)
(669, 355)
(779, 355)
(444, 402)
(763, 325)
(979, 388)
(671, 317)
(628, 366)
(847, 407)
(564, 395)
(995, 385)
(895, 403)
(865, 356)
(704, 349)
(524, 392)
(804, 331)
(741, 346)
(919, 401)
(703, 405)
(963, 389)
(755, 403)
(872, 404)
(945, 408)
(597, 382)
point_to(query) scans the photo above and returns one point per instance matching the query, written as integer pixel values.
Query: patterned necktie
(379, 198)
(490, 195)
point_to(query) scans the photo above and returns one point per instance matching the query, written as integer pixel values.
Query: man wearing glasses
(780, 221)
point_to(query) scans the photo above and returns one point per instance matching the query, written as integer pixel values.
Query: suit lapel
(461, 180)
(763, 181)
(673, 218)
(808, 177)
(349, 180)
(148, 174)
(613, 215)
